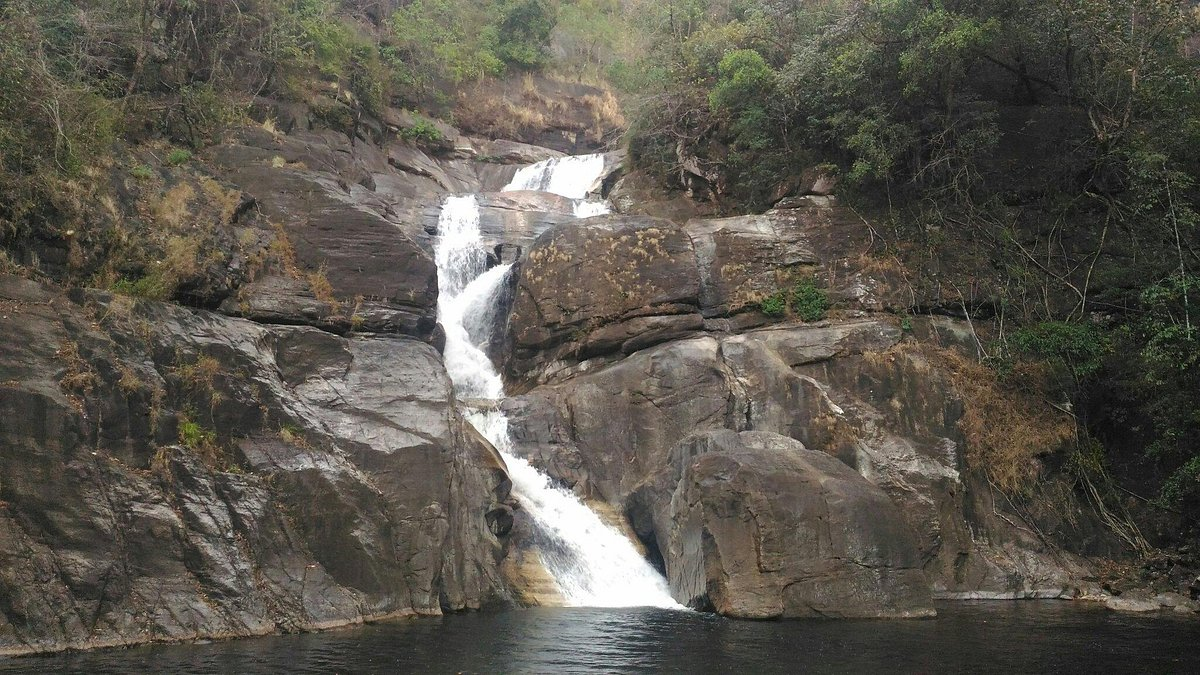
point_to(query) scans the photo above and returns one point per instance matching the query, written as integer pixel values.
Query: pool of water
(966, 637)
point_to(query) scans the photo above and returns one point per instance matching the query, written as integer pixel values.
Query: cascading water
(572, 177)
(592, 564)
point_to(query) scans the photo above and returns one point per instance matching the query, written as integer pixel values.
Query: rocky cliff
(285, 453)
(175, 474)
(668, 341)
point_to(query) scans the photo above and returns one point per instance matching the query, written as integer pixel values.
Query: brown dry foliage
(283, 253)
(323, 290)
(171, 208)
(499, 116)
(129, 383)
(1007, 425)
(225, 200)
(201, 376)
(78, 376)
(606, 113)
(508, 111)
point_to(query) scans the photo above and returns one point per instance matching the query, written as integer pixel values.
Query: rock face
(761, 528)
(296, 460)
(370, 270)
(652, 280)
(642, 288)
(851, 389)
(616, 370)
(171, 474)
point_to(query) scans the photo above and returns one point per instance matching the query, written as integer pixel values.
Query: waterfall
(572, 177)
(593, 564)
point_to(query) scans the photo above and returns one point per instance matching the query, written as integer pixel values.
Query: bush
(178, 157)
(424, 133)
(774, 306)
(523, 32)
(809, 301)
(151, 287)
(1078, 347)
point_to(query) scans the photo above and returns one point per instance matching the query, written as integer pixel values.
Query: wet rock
(511, 152)
(762, 527)
(1133, 601)
(511, 221)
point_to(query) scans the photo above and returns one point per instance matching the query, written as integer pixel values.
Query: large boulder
(602, 285)
(761, 527)
(171, 474)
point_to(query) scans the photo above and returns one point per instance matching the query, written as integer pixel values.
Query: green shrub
(141, 172)
(152, 287)
(445, 41)
(522, 32)
(202, 113)
(195, 437)
(1183, 482)
(809, 301)
(424, 133)
(774, 306)
(1078, 347)
(178, 157)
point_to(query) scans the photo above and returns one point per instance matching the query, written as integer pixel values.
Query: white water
(592, 564)
(572, 177)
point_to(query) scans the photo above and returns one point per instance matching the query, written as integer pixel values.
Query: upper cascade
(572, 177)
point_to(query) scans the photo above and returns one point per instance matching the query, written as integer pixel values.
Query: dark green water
(976, 637)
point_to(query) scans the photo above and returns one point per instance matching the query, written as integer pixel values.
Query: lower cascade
(592, 564)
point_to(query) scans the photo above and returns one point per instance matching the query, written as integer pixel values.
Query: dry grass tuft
(129, 383)
(201, 373)
(283, 253)
(224, 199)
(201, 376)
(294, 436)
(322, 290)
(181, 259)
(78, 375)
(171, 208)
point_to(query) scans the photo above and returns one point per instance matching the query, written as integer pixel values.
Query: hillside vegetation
(84, 82)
